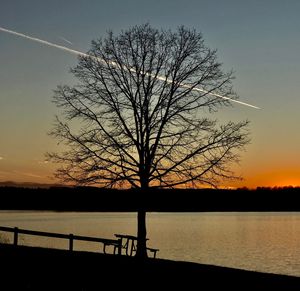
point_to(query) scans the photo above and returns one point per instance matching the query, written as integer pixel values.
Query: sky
(258, 40)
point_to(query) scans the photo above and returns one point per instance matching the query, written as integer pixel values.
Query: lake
(267, 242)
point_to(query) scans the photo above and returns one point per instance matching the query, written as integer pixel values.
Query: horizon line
(5, 183)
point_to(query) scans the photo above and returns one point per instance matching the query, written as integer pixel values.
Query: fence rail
(117, 243)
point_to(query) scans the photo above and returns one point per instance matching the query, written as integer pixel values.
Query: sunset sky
(259, 40)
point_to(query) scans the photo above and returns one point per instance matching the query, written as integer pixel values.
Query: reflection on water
(266, 242)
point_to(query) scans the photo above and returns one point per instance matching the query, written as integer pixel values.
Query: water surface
(268, 242)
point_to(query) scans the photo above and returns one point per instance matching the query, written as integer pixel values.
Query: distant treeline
(95, 199)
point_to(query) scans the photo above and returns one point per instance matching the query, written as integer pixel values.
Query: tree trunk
(141, 251)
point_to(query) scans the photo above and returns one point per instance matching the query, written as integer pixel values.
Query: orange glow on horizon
(271, 178)
(41, 172)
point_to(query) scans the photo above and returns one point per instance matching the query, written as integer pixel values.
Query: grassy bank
(28, 268)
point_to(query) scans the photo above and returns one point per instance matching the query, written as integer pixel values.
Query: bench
(117, 244)
(154, 251)
(130, 245)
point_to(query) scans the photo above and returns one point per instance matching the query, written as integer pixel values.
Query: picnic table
(130, 244)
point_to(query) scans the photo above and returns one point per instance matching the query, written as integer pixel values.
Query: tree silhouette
(141, 115)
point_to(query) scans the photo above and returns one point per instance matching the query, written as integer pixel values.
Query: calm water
(268, 242)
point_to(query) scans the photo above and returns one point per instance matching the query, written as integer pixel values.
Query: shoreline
(169, 200)
(33, 268)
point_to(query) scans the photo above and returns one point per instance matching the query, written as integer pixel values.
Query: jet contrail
(64, 39)
(78, 53)
(48, 43)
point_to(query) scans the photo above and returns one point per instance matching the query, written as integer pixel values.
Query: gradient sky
(259, 40)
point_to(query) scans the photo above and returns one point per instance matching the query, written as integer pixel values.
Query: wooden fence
(116, 243)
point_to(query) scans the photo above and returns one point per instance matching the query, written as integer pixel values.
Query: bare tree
(142, 102)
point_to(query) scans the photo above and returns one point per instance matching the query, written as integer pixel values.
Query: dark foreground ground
(27, 268)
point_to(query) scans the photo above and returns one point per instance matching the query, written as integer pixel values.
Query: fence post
(16, 230)
(71, 242)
